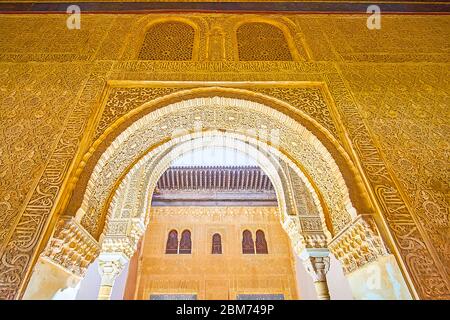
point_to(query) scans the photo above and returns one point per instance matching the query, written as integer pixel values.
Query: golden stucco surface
(395, 79)
(412, 127)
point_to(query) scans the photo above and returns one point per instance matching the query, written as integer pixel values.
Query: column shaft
(322, 290)
(110, 265)
(317, 264)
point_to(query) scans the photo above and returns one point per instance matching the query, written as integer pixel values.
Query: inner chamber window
(172, 242)
(260, 41)
(168, 41)
(248, 247)
(261, 243)
(185, 242)
(216, 244)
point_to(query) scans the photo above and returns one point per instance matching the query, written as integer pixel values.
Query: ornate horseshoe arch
(325, 167)
(138, 189)
(146, 132)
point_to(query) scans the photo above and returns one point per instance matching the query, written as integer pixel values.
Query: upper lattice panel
(260, 41)
(168, 41)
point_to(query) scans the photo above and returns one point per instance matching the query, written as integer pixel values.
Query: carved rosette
(358, 244)
(71, 247)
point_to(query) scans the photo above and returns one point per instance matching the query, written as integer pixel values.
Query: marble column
(110, 265)
(317, 264)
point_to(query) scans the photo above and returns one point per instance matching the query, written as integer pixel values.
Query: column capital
(110, 265)
(307, 253)
(316, 262)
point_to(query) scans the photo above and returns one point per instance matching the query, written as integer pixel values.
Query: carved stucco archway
(307, 148)
(127, 218)
(297, 146)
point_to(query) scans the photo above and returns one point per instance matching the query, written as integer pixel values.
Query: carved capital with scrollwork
(316, 262)
(110, 265)
(358, 244)
(71, 246)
